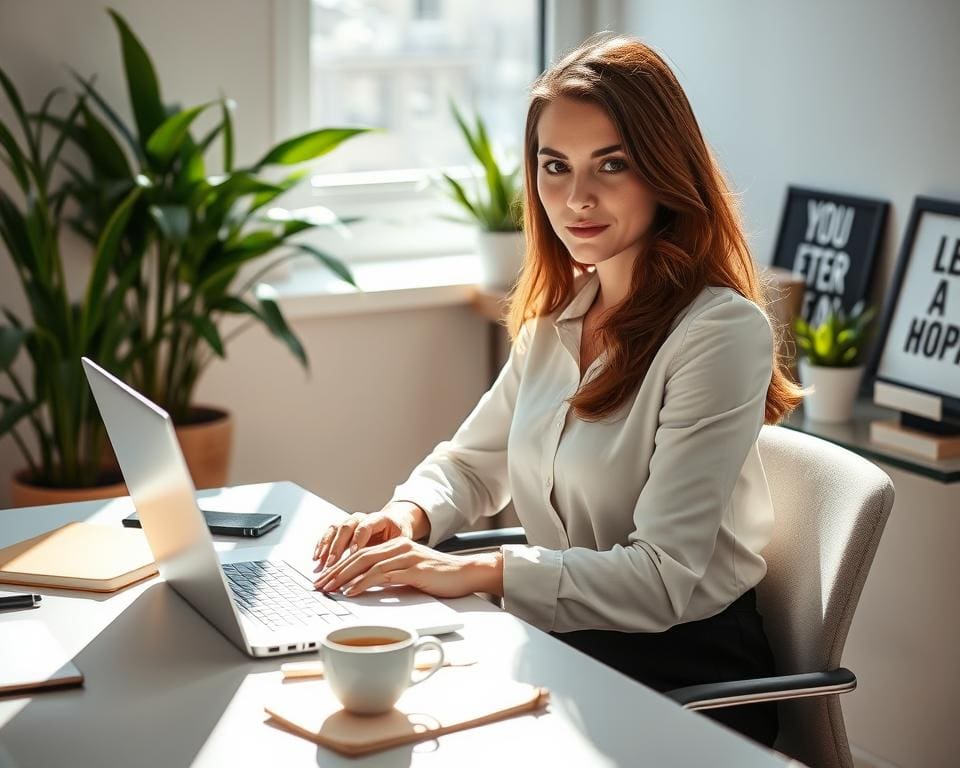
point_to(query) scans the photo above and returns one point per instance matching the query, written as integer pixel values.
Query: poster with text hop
(831, 241)
(920, 331)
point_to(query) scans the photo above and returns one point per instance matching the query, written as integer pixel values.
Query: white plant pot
(501, 256)
(834, 391)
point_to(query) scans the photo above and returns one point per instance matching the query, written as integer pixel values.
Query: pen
(20, 601)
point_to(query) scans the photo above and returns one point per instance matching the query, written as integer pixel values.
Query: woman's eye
(614, 165)
(553, 166)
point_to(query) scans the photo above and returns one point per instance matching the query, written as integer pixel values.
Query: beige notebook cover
(452, 700)
(98, 558)
(32, 659)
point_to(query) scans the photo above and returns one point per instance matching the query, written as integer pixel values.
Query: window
(395, 65)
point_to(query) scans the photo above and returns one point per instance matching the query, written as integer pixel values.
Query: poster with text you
(922, 346)
(830, 240)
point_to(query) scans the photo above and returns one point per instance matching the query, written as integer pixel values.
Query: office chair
(831, 506)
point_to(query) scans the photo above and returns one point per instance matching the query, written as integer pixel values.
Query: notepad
(452, 700)
(98, 558)
(32, 659)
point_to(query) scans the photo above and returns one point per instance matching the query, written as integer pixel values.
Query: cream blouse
(647, 519)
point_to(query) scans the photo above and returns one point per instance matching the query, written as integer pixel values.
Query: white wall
(858, 96)
(384, 388)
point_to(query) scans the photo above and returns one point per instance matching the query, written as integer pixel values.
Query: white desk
(164, 688)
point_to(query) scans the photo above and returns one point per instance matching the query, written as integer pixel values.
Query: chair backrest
(831, 506)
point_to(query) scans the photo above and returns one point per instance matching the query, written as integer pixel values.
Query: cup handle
(428, 642)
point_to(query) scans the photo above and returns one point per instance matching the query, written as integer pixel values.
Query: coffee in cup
(369, 667)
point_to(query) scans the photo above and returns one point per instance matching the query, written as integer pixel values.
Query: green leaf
(458, 194)
(173, 221)
(107, 250)
(13, 232)
(333, 264)
(495, 183)
(308, 146)
(14, 98)
(11, 339)
(16, 158)
(273, 318)
(261, 199)
(850, 355)
(823, 340)
(61, 138)
(206, 328)
(13, 413)
(234, 306)
(257, 242)
(167, 139)
(846, 337)
(225, 108)
(142, 85)
(105, 153)
(465, 130)
(111, 115)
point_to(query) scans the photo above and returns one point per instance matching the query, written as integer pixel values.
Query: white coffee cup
(369, 667)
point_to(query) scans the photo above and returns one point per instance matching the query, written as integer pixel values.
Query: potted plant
(830, 363)
(497, 212)
(200, 240)
(52, 404)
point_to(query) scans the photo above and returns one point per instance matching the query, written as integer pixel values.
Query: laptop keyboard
(272, 593)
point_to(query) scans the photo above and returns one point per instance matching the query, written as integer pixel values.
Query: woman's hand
(402, 561)
(360, 530)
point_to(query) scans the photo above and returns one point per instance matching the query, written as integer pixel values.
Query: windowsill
(385, 286)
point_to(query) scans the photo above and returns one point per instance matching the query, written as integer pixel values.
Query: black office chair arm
(710, 696)
(778, 688)
(476, 541)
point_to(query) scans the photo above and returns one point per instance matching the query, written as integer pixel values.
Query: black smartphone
(247, 524)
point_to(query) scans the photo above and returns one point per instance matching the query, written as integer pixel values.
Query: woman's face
(599, 208)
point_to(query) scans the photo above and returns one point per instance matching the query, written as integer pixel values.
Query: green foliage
(174, 251)
(498, 208)
(55, 406)
(839, 341)
(202, 242)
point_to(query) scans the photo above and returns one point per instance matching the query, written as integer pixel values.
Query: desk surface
(164, 688)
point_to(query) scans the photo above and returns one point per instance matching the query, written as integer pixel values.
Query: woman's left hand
(402, 561)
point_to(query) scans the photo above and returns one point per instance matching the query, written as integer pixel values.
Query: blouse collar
(582, 300)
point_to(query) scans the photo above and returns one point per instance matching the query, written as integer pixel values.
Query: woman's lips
(589, 231)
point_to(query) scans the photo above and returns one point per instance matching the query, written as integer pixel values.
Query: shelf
(855, 436)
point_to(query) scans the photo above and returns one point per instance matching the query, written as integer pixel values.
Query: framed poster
(831, 241)
(919, 343)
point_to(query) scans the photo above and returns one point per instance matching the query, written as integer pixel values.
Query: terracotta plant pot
(206, 443)
(23, 493)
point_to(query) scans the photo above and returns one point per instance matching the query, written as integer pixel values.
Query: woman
(624, 423)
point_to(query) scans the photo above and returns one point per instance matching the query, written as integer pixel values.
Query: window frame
(560, 26)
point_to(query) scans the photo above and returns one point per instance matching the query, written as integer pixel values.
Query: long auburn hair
(696, 238)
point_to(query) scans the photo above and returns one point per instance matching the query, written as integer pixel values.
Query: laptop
(261, 598)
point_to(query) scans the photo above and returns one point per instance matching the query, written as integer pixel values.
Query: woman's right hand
(399, 518)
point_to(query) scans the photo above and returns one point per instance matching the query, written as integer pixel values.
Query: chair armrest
(778, 688)
(476, 541)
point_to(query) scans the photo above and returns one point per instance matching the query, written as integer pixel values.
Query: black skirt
(729, 646)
